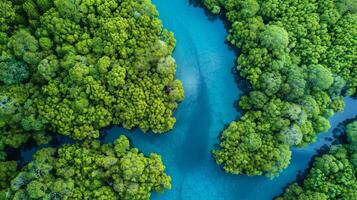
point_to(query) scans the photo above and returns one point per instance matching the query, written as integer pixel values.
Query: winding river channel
(205, 66)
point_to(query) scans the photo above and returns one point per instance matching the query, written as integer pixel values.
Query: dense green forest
(332, 176)
(74, 67)
(89, 171)
(299, 57)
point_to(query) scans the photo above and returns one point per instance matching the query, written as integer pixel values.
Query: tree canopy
(73, 67)
(92, 64)
(332, 175)
(89, 171)
(299, 57)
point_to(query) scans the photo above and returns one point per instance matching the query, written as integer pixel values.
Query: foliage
(82, 66)
(13, 71)
(332, 176)
(19, 119)
(74, 67)
(90, 171)
(299, 57)
(8, 169)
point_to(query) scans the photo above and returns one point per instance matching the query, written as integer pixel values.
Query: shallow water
(205, 66)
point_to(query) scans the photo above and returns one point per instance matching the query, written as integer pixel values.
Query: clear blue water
(205, 66)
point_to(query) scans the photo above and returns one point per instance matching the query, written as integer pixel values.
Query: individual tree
(319, 77)
(12, 70)
(275, 38)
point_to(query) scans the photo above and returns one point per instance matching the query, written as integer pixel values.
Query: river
(205, 66)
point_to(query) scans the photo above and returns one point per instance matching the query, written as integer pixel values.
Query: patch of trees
(73, 67)
(89, 171)
(332, 176)
(300, 59)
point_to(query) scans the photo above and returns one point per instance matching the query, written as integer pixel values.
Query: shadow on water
(12, 154)
(199, 4)
(244, 86)
(24, 154)
(213, 17)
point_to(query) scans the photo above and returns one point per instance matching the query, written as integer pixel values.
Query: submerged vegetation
(90, 171)
(300, 58)
(332, 176)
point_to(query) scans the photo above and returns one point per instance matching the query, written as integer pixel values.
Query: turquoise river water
(205, 66)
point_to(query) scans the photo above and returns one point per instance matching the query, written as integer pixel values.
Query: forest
(71, 68)
(299, 57)
(333, 175)
(84, 171)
